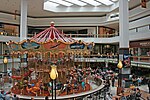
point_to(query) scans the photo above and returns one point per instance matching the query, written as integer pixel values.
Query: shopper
(15, 97)
(123, 97)
(2, 95)
(113, 81)
(46, 98)
(148, 85)
(8, 96)
(138, 94)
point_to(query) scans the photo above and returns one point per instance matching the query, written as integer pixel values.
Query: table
(118, 97)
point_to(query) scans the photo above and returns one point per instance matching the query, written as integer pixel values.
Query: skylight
(50, 4)
(106, 2)
(77, 2)
(61, 2)
(92, 2)
(114, 0)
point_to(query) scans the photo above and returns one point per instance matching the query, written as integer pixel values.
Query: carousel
(40, 55)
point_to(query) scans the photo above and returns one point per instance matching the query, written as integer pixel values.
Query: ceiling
(35, 9)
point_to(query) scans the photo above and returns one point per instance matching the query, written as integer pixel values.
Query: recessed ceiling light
(92, 2)
(77, 2)
(62, 2)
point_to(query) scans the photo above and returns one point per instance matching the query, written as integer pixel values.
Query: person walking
(148, 85)
(2, 97)
(8, 96)
(113, 81)
(46, 98)
(15, 97)
(138, 94)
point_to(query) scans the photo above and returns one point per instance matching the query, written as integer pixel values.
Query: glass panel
(62, 2)
(77, 2)
(92, 2)
(106, 2)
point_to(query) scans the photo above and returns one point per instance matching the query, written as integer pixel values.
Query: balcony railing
(141, 58)
(140, 29)
(8, 32)
(85, 35)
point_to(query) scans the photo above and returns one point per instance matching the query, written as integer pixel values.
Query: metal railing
(86, 35)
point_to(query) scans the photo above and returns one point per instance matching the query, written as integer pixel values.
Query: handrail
(140, 56)
(91, 35)
(86, 35)
(139, 27)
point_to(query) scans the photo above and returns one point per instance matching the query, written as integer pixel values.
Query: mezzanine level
(138, 61)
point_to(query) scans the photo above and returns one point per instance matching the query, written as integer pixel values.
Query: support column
(97, 31)
(139, 53)
(5, 69)
(106, 63)
(123, 42)
(23, 20)
(123, 24)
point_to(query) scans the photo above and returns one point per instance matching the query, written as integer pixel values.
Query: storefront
(106, 49)
(9, 29)
(140, 51)
(140, 48)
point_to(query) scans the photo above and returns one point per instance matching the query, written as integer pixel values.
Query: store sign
(126, 60)
(140, 44)
(145, 44)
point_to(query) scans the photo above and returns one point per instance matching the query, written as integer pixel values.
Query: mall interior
(75, 49)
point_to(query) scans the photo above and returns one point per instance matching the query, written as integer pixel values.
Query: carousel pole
(52, 90)
(35, 65)
(20, 63)
(43, 69)
(13, 68)
(73, 59)
(88, 59)
(82, 58)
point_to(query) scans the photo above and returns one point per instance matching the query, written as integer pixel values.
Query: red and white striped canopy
(51, 34)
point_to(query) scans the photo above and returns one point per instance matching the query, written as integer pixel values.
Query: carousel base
(40, 94)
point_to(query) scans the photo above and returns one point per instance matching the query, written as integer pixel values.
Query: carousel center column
(123, 43)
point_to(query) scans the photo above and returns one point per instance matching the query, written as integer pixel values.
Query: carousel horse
(35, 88)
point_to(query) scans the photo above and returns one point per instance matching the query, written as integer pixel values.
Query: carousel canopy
(52, 34)
(50, 40)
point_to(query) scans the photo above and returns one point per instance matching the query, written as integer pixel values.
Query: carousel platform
(64, 96)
